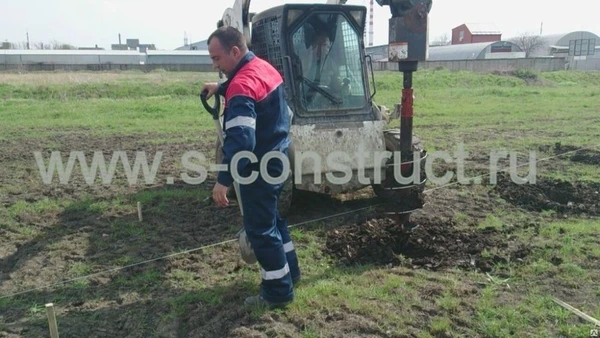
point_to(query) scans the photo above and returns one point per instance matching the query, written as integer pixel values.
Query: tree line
(38, 45)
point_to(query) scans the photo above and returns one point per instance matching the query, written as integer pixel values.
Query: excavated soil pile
(585, 156)
(548, 194)
(435, 244)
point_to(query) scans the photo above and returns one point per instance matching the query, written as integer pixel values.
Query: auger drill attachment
(408, 45)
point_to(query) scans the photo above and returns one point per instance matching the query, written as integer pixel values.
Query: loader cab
(319, 51)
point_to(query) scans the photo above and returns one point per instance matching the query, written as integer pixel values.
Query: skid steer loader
(320, 52)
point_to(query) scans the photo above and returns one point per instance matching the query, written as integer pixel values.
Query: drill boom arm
(401, 8)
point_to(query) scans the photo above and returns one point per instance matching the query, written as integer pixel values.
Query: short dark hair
(229, 38)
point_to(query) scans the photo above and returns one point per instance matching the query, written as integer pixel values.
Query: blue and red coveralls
(257, 120)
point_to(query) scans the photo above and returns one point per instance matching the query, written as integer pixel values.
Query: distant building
(180, 57)
(200, 45)
(69, 57)
(471, 51)
(476, 51)
(475, 33)
(91, 48)
(377, 53)
(581, 49)
(580, 44)
(132, 44)
(145, 47)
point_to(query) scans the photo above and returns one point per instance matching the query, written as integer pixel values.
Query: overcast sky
(90, 22)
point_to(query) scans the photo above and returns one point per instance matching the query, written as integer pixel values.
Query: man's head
(226, 46)
(318, 37)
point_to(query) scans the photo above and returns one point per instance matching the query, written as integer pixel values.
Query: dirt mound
(587, 156)
(548, 194)
(576, 154)
(435, 244)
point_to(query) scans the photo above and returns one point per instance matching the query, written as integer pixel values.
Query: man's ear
(236, 52)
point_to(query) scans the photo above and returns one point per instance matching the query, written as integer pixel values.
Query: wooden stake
(52, 320)
(139, 206)
(579, 313)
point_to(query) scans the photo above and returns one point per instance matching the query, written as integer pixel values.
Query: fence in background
(107, 67)
(540, 64)
(486, 65)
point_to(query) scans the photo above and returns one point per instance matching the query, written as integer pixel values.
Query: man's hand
(220, 195)
(211, 87)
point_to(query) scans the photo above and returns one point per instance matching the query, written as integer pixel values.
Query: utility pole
(28, 40)
(371, 23)
(365, 36)
(541, 27)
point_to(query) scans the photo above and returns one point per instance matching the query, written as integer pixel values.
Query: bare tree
(42, 45)
(528, 42)
(19, 45)
(442, 40)
(54, 44)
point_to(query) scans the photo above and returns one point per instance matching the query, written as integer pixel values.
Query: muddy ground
(128, 300)
(112, 237)
(438, 243)
(563, 197)
(575, 154)
(434, 245)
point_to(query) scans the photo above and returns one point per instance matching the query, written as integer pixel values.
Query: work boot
(260, 301)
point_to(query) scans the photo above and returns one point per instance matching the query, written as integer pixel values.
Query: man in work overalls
(256, 120)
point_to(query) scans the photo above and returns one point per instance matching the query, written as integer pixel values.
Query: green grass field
(530, 244)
